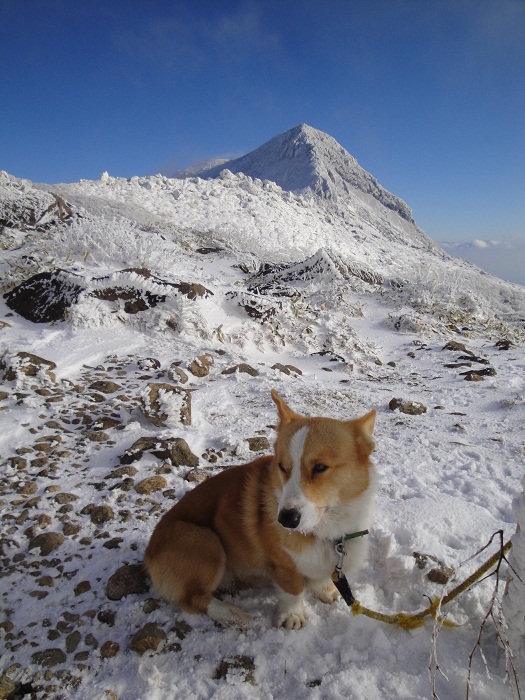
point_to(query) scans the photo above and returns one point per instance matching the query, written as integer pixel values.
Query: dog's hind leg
(187, 563)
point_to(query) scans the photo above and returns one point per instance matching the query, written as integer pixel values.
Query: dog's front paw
(325, 591)
(291, 620)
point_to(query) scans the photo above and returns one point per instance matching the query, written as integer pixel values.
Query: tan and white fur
(276, 518)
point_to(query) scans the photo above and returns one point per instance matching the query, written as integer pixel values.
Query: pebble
(47, 542)
(128, 580)
(151, 484)
(148, 638)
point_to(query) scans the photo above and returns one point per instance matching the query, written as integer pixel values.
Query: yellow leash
(408, 621)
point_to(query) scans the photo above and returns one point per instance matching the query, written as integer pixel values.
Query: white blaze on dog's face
(320, 465)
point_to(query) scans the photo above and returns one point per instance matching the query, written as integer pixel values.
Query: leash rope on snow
(410, 621)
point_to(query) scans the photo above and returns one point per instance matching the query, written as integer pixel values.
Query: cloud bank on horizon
(504, 259)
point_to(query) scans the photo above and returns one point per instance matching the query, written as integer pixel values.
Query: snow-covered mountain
(305, 160)
(143, 322)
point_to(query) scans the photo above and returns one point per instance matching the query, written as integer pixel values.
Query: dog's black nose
(289, 517)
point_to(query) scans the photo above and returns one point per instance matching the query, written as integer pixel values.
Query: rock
(174, 449)
(70, 529)
(476, 375)
(45, 297)
(109, 649)
(242, 367)
(107, 617)
(96, 436)
(239, 665)
(258, 444)
(81, 588)
(106, 387)
(134, 453)
(411, 408)
(49, 657)
(180, 453)
(62, 498)
(106, 423)
(176, 374)
(440, 575)
(101, 514)
(73, 639)
(148, 638)
(193, 290)
(165, 405)
(47, 542)
(148, 364)
(200, 367)
(130, 579)
(286, 369)
(151, 484)
(25, 363)
(473, 376)
(456, 347)
(7, 687)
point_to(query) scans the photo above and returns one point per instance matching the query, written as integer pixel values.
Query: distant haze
(504, 259)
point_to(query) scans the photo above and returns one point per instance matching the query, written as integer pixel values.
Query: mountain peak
(304, 159)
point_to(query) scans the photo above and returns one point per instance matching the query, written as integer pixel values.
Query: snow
(447, 478)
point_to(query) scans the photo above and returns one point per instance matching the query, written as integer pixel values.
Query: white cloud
(504, 259)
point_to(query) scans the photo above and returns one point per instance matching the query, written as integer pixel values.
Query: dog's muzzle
(289, 518)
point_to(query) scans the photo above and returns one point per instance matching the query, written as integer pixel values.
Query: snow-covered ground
(363, 318)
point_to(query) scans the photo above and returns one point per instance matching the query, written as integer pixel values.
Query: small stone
(47, 542)
(441, 575)
(106, 387)
(73, 639)
(148, 364)
(62, 498)
(101, 514)
(109, 649)
(242, 368)
(128, 580)
(239, 665)
(200, 367)
(258, 444)
(107, 617)
(49, 657)
(411, 408)
(286, 369)
(151, 484)
(456, 347)
(70, 529)
(45, 581)
(7, 687)
(91, 641)
(182, 629)
(96, 435)
(82, 587)
(176, 374)
(165, 404)
(148, 638)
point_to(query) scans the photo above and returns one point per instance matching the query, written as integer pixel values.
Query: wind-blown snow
(339, 308)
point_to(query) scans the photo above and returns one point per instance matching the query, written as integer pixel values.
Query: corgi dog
(277, 519)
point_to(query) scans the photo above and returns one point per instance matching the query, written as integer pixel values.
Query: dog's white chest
(316, 561)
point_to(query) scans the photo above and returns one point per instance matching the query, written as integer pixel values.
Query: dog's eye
(319, 469)
(281, 468)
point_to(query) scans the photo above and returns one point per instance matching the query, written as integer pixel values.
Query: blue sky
(428, 95)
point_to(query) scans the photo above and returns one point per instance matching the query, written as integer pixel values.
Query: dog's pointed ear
(366, 423)
(285, 412)
(364, 427)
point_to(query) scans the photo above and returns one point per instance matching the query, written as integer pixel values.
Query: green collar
(351, 536)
